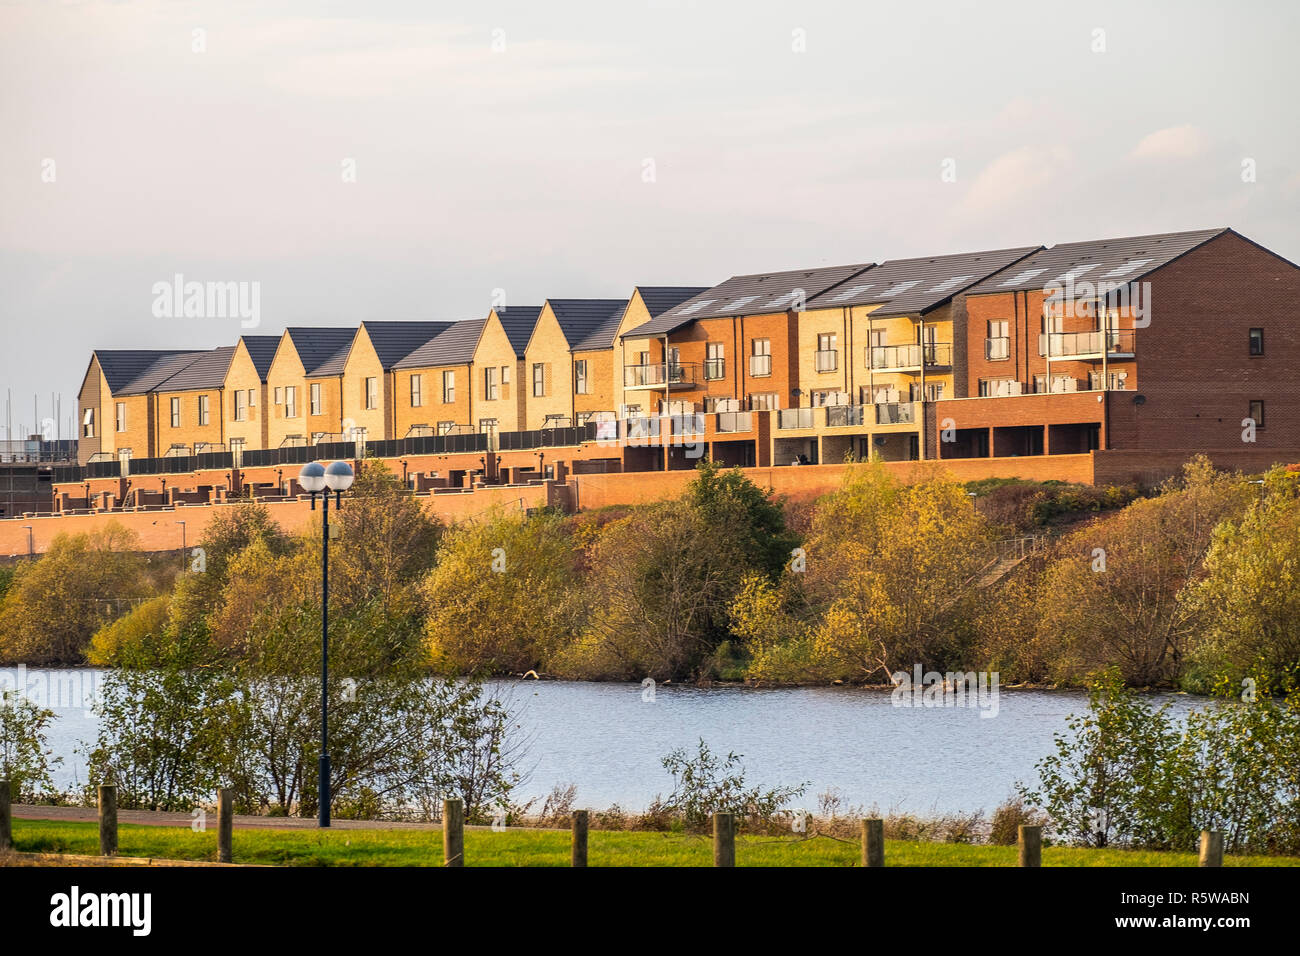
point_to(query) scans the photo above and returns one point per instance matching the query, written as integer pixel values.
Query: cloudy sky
(403, 160)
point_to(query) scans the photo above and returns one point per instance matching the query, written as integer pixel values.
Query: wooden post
(1211, 848)
(724, 839)
(579, 838)
(453, 833)
(225, 824)
(873, 842)
(108, 820)
(1031, 846)
(6, 824)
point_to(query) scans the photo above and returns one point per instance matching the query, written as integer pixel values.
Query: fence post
(108, 820)
(1031, 846)
(1211, 848)
(6, 825)
(579, 838)
(453, 833)
(225, 824)
(724, 839)
(873, 842)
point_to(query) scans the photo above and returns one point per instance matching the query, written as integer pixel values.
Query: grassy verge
(521, 847)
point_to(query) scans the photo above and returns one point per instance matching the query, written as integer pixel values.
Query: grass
(523, 847)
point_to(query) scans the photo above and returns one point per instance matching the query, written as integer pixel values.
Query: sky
(417, 160)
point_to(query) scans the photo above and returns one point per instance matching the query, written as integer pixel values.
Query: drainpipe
(921, 437)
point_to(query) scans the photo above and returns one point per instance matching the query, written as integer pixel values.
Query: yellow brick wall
(549, 348)
(432, 409)
(330, 419)
(494, 350)
(363, 362)
(93, 395)
(242, 377)
(626, 351)
(286, 371)
(139, 431)
(600, 382)
(811, 325)
(189, 432)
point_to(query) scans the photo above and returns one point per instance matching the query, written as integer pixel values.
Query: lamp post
(183, 549)
(315, 479)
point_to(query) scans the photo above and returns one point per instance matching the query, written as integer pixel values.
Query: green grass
(522, 847)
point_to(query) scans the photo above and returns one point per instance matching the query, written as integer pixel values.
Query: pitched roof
(123, 368)
(750, 295)
(206, 370)
(322, 350)
(659, 299)
(455, 345)
(1113, 261)
(261, 349)
(588, 323)
(518, 322)
(394, 341)
(912, 286)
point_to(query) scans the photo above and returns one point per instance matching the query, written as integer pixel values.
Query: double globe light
(315, 477)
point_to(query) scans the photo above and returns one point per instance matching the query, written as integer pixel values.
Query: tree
(1246, 608)
(502, 596)
(25, 757)
(60, 600)
(1115, 595)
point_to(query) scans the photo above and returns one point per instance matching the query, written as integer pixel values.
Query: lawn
(524, 847)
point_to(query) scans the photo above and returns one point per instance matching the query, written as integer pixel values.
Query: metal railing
(715, 369)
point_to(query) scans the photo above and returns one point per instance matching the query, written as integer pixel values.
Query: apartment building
(1163, 342)
(646, 303)
(247, 405)
(305, 382)
(569, 362)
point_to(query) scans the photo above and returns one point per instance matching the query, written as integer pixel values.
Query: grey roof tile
(322, 350)
(519, 322)
(261, 349)
(588, 323)
(453, 346)
(394, 341)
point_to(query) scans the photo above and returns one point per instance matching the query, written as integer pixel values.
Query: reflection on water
(609, 739)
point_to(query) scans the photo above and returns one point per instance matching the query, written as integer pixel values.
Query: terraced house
(1154, 347)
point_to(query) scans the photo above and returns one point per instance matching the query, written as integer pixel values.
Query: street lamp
(315, 479)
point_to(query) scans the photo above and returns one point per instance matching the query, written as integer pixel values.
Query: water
(609, 741)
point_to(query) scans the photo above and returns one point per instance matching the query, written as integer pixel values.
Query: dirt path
(157, 818)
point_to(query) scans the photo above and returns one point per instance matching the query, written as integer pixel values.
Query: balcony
(842, 416)
(760, 365)
(640, 429)
(826, 360)
(896, 413)
(691, 424)
(729, 422)
(1082, 346)
(902, 358)
(997, 348)
(659, 375)
(794, 418)
(715, 369)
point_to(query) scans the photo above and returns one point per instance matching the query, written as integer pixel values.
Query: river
(609, 739)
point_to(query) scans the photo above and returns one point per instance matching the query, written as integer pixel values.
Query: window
(580, 377)
(997, 345)
(760, 357)
(1256, 341)
(487, 425)
(490, 378)
(877, 340)
(277, 397)
(121, 416)
(715, 363)
(176, 412)
(1052, 325)
(415, 391)
(291, 401)
(1257, 412)
(314, 399)
(241, 406)
(372, 392)
(933, 392)
(539, 379)
(997, 387)
(203, 409)
(252, 398)
(448, 387)
(764, 401)
(827, 357)
(444, 428)
(88, 424)
(505, 375)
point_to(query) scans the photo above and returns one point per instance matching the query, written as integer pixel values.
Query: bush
(705, 784)
(25, 757)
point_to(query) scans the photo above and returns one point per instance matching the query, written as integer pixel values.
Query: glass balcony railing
(839, 416)
(658, 374)
(735, 422)
(997, 348)
(933, 354)
(715, 369)
(826, 360)
(896, 413)
(760, 365)
(1089, 344)
(795, 418)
